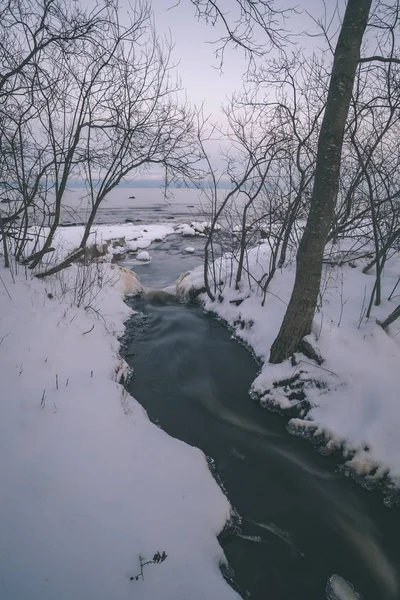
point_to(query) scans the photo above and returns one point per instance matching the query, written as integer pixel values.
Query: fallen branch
(62, 265)
(33, 256)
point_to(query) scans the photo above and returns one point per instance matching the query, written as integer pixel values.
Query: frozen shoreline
(351, 401)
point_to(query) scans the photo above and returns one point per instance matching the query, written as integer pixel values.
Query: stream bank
(302, 521)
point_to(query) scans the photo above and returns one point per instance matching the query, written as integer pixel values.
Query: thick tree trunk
(299, 315)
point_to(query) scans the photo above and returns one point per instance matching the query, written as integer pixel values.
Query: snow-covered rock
(189, 249)
(204, 226)
(196, 228)
(143, 256)
(130, 281)
(340, 589)
(186, 230)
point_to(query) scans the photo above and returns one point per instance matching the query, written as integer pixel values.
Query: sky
(203, 79)
(198, 67)
(194, 51)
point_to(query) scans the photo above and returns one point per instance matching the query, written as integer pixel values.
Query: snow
(143, 256)
(354, 394)
(204, 226)
(185, 230)
(108, 239)
(189, 249)
(340, 589)
(88, 483)
(196, 228)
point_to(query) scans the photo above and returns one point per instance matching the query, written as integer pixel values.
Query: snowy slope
(88, 484)
(354, 395)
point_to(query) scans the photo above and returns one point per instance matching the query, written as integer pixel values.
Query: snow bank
(108, 240)
(352, 400)
(88, 483)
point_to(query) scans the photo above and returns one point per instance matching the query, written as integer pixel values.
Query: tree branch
(383, 59)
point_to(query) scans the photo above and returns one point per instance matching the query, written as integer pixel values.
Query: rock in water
(189, 249)
(143, 256)
(160, 298)
(339, 589)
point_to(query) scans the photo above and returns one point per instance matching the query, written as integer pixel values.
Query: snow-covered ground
(88, 484)
(354, 394)
(109, 240)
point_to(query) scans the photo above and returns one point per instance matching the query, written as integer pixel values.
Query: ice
(340, 589)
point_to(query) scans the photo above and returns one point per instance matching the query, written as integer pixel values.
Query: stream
(301, 520)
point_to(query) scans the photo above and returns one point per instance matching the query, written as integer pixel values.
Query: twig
(319, 367)
(394, 289)
(362, 313)
(89, 330)
(157, 559)
(5, 287)
(4, 337)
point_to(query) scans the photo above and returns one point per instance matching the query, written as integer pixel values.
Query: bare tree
(97, 106)
(32, 35)
(299, 315)
(29, 29)
(257, 26)
(365, 187)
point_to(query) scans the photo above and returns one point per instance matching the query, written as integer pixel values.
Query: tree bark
(391, 318)
(299, 315)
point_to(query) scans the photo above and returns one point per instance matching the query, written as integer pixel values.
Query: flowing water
(301, 521)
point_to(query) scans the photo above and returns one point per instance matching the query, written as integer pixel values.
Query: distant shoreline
(153, 183)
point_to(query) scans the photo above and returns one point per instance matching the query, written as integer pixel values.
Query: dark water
(193, 380)
(169, 260)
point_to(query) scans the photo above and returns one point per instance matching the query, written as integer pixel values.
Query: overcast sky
(198, 66)
(203, 80)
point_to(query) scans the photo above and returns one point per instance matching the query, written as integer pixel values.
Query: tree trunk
(5, 249)
(391, 318)
(299, 315)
